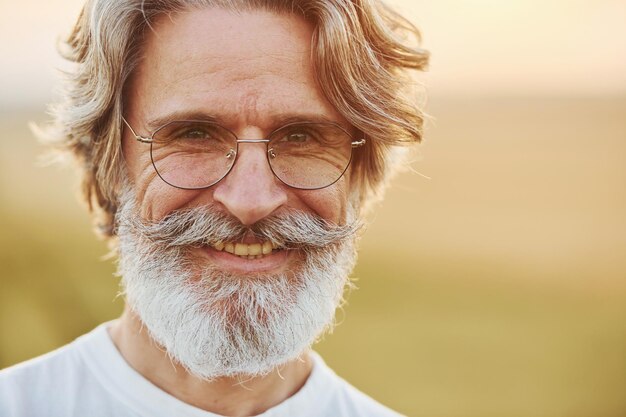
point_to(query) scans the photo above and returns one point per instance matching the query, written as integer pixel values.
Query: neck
(233, 396)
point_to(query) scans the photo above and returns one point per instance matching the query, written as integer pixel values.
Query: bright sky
(479, 47)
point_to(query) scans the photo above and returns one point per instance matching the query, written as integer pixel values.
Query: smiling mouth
(247, 250)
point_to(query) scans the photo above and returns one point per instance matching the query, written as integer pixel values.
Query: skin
(252, 71)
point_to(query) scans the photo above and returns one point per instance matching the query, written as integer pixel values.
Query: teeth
(229, 247)
(254, 249)
(249, 251)
(241, 249)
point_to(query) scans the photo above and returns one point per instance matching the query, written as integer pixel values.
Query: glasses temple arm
(139, 138)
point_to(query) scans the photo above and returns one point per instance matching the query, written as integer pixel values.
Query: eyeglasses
(196, 154)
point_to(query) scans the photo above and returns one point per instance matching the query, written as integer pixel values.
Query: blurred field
(495, 288)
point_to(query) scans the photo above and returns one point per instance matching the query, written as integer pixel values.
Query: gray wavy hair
(361, 51)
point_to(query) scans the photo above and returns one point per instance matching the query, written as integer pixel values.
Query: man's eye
(298, 137)
(194, 134)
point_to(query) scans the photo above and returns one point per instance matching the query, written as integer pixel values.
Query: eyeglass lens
(196, 154)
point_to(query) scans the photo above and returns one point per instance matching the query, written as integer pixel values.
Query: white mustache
(200, 226)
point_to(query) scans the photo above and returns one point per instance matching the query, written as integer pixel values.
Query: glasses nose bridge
(252, 141)
(267, 149)
(239, 141)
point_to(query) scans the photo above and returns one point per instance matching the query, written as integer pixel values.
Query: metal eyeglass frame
(150, 139)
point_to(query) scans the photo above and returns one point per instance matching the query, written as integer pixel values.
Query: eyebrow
(276, 121)
(160, 121)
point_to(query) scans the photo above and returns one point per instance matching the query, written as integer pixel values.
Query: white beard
(218, 324)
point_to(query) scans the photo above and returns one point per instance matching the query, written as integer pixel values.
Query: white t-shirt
(89, 378)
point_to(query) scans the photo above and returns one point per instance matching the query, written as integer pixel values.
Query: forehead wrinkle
(214, 66)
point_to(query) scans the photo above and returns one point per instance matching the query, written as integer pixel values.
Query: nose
(250, 191)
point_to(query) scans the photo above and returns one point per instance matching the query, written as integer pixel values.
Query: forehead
(244, 68)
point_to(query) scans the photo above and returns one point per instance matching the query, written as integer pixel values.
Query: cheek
(137, 158)
(330, 203)
(161, 199)
(155, 198)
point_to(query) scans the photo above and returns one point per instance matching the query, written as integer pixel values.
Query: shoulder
(45, 385)
(41, 368)
(345, 400)
(25, 384)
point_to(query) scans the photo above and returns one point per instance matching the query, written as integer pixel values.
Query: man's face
(215, 312)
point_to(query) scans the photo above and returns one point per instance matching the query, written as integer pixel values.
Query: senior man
(228, 149)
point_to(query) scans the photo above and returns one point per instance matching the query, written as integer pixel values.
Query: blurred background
(492, 279)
